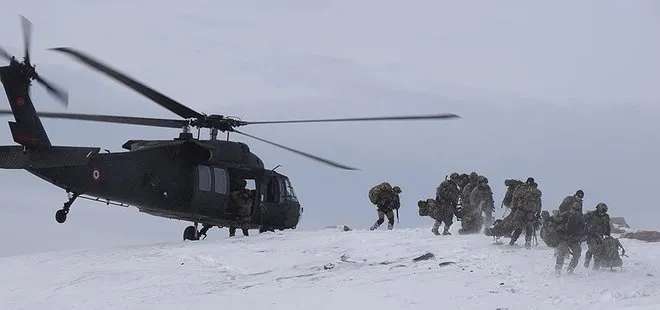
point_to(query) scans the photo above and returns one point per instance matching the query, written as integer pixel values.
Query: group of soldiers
(469, 198)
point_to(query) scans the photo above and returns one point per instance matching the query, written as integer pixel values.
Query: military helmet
(396, 189)
(601, 207)
(240, 183)
(483, 179)
(473, 175)
(453, 176)
(530, 180)
(579, 193)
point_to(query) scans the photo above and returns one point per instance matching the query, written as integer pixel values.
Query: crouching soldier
(440, 213)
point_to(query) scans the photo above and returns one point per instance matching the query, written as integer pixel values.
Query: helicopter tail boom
(14, 157)
(27, 130)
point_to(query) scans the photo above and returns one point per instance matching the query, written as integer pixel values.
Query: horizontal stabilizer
(14, 157)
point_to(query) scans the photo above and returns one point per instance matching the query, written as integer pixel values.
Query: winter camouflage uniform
(467, 212)
(242, 203)
(569, 200)
(387, 203)
(598, 225)
(448, 193)
(482, 199)
(526, 210)
(440, 213)
(571, 228)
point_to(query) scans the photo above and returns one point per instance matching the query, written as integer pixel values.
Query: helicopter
(184, 178)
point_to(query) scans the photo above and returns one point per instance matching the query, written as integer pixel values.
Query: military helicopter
(185, 178)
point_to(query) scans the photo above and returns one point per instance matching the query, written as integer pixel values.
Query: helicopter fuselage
(188, 180)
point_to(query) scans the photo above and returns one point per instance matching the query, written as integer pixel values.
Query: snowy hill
(328, 269)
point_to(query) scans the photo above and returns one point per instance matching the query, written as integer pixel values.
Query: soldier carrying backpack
(386, 199)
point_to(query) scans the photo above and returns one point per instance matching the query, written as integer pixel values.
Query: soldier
(569, 200)
(465, 214)
(440, 213)
(598, 226)
(242, 202)
(526, 203)
(447, 194)
(571, 228)
(387, 201)
(482, 199)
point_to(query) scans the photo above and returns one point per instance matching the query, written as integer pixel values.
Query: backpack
(376, 193)
(609, 252)
(511, 185)
(576, 225)
(589, 221)
(531, 200)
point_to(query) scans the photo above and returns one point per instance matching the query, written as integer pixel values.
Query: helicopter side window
(204, 177)
(220, 180)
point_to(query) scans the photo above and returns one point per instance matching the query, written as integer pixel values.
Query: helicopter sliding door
(211, 190)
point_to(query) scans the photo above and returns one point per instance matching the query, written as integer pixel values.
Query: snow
(363, 270)
(502, 67)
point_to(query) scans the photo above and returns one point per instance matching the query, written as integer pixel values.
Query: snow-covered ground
(559, 74)
(327, 269)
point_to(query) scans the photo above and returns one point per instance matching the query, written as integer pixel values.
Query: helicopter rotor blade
(4, 54)
(383, 118)
(58, 92)
(323, 160)
(164, 101)
(27, 37)
(144, 121)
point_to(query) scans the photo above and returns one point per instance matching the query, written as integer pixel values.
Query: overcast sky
(564, 91)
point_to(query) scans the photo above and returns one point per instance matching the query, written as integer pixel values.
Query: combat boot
(232, 231)
(586, 263)
(390, 226)
(446, 232)
(435, 231)
(558, 269)
(245, 232)
(528, 244)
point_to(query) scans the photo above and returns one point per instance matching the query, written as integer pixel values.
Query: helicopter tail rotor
(27, 69)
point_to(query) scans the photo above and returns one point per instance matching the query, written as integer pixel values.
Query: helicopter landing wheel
(60, 215)
(190, 233)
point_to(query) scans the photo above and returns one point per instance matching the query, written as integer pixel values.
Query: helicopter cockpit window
(220, 180)
(204, 175)
(288, 190)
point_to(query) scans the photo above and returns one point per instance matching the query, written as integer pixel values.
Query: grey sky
(565, 92)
